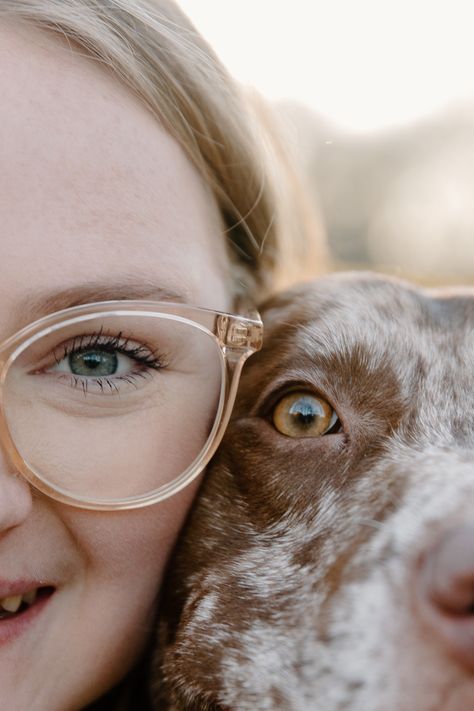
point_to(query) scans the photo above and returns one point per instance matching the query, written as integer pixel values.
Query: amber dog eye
(302, 414)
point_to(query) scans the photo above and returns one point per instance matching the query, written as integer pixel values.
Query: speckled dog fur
(294, 584)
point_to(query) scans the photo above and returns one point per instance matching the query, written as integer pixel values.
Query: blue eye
(94, 362)
(98, 360)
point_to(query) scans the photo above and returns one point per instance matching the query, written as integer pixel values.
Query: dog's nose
(446, 592)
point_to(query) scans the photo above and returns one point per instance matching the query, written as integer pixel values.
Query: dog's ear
(274, 308)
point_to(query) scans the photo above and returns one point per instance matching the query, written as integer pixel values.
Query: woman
(128, 172)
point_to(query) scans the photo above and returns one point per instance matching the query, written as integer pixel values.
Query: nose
(15, 498)
(446, 592)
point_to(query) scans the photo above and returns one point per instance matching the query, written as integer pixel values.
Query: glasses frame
(237, 337)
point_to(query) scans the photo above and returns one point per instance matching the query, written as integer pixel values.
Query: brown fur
(258, 612)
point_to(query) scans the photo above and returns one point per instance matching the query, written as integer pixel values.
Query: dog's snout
(446, 592)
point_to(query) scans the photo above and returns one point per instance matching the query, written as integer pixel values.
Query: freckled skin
(90, 188)
(295, 583)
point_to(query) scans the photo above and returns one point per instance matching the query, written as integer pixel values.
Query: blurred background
(376, 101)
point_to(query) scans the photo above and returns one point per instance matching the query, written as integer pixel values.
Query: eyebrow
(42, 302)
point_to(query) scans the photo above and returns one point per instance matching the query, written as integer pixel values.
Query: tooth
(30, 597)
(12, 603)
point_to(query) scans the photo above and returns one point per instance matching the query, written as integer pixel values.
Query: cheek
(119, 560)
(127, 551)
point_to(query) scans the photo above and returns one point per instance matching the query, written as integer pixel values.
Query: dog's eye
(302, 414)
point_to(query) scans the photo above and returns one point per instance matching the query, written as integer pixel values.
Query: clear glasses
(120, 404)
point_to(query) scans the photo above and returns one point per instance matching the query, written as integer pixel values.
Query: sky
(364, 64)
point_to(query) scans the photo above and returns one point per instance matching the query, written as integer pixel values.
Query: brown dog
(328, 564)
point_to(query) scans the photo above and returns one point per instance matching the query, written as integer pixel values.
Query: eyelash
(149, 360)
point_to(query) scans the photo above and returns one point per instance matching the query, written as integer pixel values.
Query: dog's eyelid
(270, 398)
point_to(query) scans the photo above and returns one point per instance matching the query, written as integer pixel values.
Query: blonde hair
(152, 46)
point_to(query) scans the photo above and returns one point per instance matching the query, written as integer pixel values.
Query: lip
(21, 586)
(13, 627)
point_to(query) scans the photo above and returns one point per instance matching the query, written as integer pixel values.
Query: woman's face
(92, 195)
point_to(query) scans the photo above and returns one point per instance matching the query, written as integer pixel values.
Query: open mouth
(16, 605)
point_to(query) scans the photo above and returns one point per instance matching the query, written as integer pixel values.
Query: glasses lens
(114, 406)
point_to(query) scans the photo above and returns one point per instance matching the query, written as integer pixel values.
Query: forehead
(359, 336)
(339, 313)
(90, 185)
